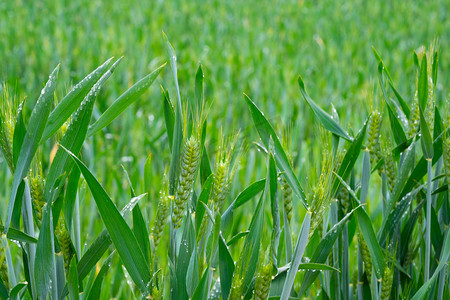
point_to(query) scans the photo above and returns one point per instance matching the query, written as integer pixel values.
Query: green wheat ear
(161, 217)
(189, 166)
(386, 283)
(9, 107)
(320, 195)
(285, 187)
(365, 254)
(263, 278)
(374, 137)
(36, 180)
(64, 241)
(3, 267)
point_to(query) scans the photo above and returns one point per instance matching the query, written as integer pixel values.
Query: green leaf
(17, 235)
(287, 237)
(273, 189)
(139, 226)
(15, 291)
(201, 292)
(74, 138)
(237, 237)
(96, 288)
(322, 251)
(242, 198)
(192, 276)
(44, 266)
(71, 195)
(407, 165)
(443, 261)
(121, 235)
(19, 134)
(35, 129)
(178, 126)
(72, 281)
(349, 159)
(202, 201)
(327, 121)
(124, 100)
(302, 241)
(266, 131)
(72, 101)
(3, 291)
(187, 245)
(365, 226)
(169, 115)
(394, 115)
(199, 93)
(93, 254)
(226, 268)
(402, 102)
(396, 214)
(246, 266)
(313, 266)
(425, 140)
(423, 83)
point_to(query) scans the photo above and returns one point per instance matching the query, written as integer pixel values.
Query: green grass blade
(121, 235)
(201, 292)
(365, 226)
(313, 266)
(16, 291)
(425, 140)
(192, 276)
(241, 199)
(71, 195)
(327, 121)
(202, 201)
(287, 237)
(443, 261)
(265, 131)
(273, 190)
(139, 226)
(36, 126)
(188, 242)
(72, 101)
(226, 268)
(178, 126)
(199, 92)
(322, 251)
(124, 100)
(396, 215)
(169, 115)
(17, 235)
(45, 256)
(246, 266)
(74, 137)
(297, 257)
(72, 281)
(101, 244)
(19, 134)
(423, 83)
(349, 159)
(4, 294)
(96, 288)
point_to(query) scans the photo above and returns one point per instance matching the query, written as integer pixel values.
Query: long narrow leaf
(297, 257)
(121, 235)
(36, 126)
(125, 100)
(327, 121)
(72, 101)
(266, 131)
